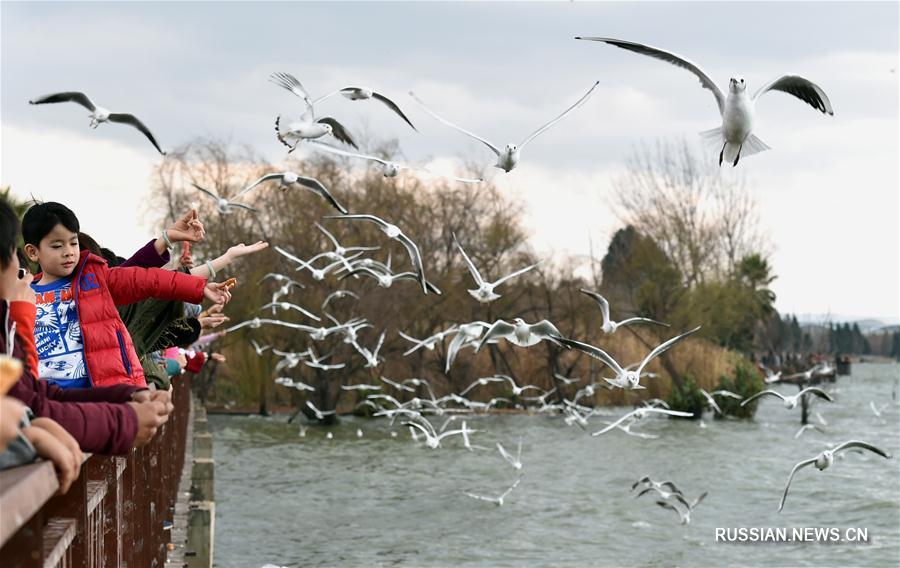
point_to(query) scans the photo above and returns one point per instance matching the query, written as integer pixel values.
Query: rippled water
(380, 500)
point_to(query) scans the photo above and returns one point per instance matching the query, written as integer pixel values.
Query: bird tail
(716, 139)
(753, 145)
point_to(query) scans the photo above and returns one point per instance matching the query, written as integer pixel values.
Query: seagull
(791, 401)
(397, 386)
(737, 109)
(647, 482)
(625, 378)
(826, 458)
(371, 357)
(516, 462)
(627, 429)
(521, 333)
(288, 179)
(340, 251)
(317, 274)
(496, 500)
(255, 323)
(98, 114)
(338, 294)
(804, 376)
(640, 414)
(566, 380)
(466, 442)
(428, 343)
(223, 206)
(259, 349)
(385, 280)
(685, 515)
(432, 438)
(307, 127)
(361, 387)
(362, 94)
(610, 326)
(289, 359)
(514, 388)
(508, 157)
(876, 410)
(806, 427)
(291, 383)
(393, 232)
(468, 334)
(290, 306)
(485, 291)
(320, 414)
(661, 492)
(711, 401)
(388, 168)
(482, 382)
(316, 362)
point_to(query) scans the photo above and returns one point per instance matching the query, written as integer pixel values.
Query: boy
(81, 340)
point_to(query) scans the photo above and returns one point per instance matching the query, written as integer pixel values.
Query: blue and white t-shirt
(57, 334)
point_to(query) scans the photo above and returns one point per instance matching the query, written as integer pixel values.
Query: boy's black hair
(9, 233)
(41, 218)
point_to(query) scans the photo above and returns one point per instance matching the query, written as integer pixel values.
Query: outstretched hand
(217, 292)
(188, 228)
(241, 249)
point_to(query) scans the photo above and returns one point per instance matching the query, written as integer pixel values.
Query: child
(81, 340)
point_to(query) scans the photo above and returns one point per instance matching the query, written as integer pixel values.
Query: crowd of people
(90, 343)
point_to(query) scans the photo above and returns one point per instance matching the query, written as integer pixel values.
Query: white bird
(467, 443)
(320, 414)
(485, 291)
(508, 157)
(341, 251)
(361, 387)
(364, 93)
(308, 127)
(386, 280)
(647, 482)
(316, 362)
(496, 500)
(259, 349)
(290, 306)
(98, 115)
(626, 378)
(875, 410)
(609, 326)
(371, 357)
(337, 295)
(255, 323)
(566, 380)
(515, 388)
(432, 438)
(515, 462)
(627, 429)
(329, 436)
(737, 109)
(826, 458)
(659, 491)
(804, 376)
(288, 179)
(684, 515)
(291, 383)
(790, 401)
(482, 382)
(521, 333)
(359, 433)
(428, 343)
(468, 334)
(640, 414)
(223, 206)
(289, 359)
(711, 401)
(393, 232)
(389, 168)
(397, 386)
(317, 274)
(806, 427)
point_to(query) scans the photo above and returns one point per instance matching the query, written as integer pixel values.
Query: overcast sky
(828, 191)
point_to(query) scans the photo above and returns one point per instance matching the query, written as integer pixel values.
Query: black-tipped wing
(803, 89)
(393, 106)
(338, 131)
(863, 445)
(125, 118)
(66, 97)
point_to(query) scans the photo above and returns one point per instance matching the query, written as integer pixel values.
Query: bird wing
(668, 412)
(511, 487)
(614, 424)
(285, 253)
(505, 454)
(338, 151)
(671, 487)
(472, 269)
(416, 257)
(803, 89)
(863, 445)
(206, 191)
(630, 321)
(317, 187)
(711, 401)
(338, 131)
(360, 217)
(289, 82)
(66, 97)
(546, 329)
(761, 393)
(604, 305)
(818, 392)
(493, 148)
(594, 352)
(241, 206)
(668, 57)
(125, 118)
(499, 329)
(729, 394)
(265, 178)
(797, 467)
(698, 500)
(514, 274)
(577, 104)
(393, 106)
(479, 497)
(663, 347)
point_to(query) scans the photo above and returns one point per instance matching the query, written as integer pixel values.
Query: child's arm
(230, 256)
(133, 284)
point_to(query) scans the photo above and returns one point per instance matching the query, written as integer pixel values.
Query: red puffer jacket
(108, 351)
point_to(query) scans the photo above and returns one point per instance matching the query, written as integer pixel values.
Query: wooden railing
(118, 513)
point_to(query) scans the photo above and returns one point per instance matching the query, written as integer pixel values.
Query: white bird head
(824, 459)
(737, 85)
(512, 148)
(289, 178)
(327, 128)
(391, 169)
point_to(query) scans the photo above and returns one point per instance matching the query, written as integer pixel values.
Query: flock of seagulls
(734, 138)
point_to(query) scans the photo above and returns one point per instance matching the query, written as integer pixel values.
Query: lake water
(383, 501)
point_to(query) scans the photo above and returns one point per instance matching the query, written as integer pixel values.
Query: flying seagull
(625, 378)
(393, 232)
(485, 291)
(308, 127)
(223, 206)
(684, 515)
(288, 179)
(362, 94)
(496, 500)
(610, 326)
(516, 461)
(790, 401)
(508, 157)
(826, 458)
(98, 114)
(388, 168)
(521, 333)
(737, 108)
(640, 414)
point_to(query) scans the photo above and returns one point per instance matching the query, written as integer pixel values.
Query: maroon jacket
(96, 417)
